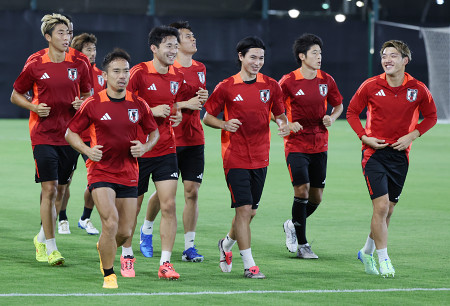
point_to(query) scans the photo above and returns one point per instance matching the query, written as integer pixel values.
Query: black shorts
(307, 168)
(122, 191)
(162, 168)
(54, 163)
(246, 186)
(191, 162)
(385, 173)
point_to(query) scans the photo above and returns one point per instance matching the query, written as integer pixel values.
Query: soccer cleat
(101, 264)
(110, 282)
(166, 271)
(369, 263)
(386, 268)
(146, 244)
(305, 252)
(225, 258)
(88, 226)
(41, 250)
(63, 227)
(55, 258)
(291, 236)
(253, 272)
(127, 266)
(192, 255)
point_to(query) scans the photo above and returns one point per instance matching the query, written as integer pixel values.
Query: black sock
(299, 219)
(108, 271)
(62, 215)
(86, 213)
(310, 208)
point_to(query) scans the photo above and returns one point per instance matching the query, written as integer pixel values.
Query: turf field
(418, 242)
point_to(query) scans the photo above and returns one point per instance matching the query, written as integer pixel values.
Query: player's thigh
(104, 197)
(258, 178)
(318, 170)
(191, 162)
(166, 191)
(298, 165)
(239, 184)
(375, 175)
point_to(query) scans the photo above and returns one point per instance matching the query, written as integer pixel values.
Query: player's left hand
(402, 143)
(77, 103)
(138, 149)
(327, 120)
(284, 130)
(202, 95)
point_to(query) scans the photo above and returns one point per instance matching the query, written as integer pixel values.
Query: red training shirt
(251, 104)
(113, 125)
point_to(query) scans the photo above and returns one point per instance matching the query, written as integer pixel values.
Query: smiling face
(392, 61)
(252, 62)
(167, 51)
(117, 75)
(312, 59)
(59, 37)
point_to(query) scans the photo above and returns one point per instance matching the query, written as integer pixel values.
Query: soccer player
(307, 91)
(57, 80)
(86, 43)
(161, 86)
(113, 117)
(393, 100)
(247, 100)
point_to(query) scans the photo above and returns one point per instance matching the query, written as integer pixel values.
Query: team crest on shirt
(323, 89)
(174, 87)
(264, 95)
(101, 80)
(201, 77)
(411, 95)
(133, 114)
(73, 73)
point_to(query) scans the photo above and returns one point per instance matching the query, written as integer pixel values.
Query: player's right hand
(232, 125)
(95, 153)
(162, 111)
(194, 103)
(42, 110)
(295, 126)
(373, 142)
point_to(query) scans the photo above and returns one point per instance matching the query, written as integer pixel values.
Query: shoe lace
(64, 225)
(129, 263)
(89, 224)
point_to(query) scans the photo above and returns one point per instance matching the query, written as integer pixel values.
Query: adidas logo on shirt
(152, 87)
(300, 93)
(45, 76)
(380, 93)
(238, 98)
(106, 117)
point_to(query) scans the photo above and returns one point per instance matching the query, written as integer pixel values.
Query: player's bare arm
(328, 120)
(373, 142)
(94, 154)
(194, 103)
(405, 141)
(231, 125)
(295, 126)
(139, 149)
(41, 109)
(283, 126)
(162, 110)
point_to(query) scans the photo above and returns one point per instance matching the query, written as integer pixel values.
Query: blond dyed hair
(49, 22)
(400, 46)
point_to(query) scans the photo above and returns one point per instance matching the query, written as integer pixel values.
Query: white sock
(127, 251)
(51, 245)
(41, 235)
(247, 258)
(165, 256)
(369, 247)
(228, 243)
(189, 238)
(382, 255)
(147, 228)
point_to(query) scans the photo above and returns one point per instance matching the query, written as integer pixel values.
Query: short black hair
(246, 44)
(115, 54)
(157, 35)
(181, 25)
(304, 43)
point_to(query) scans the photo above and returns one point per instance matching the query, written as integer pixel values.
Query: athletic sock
(369, 247)
(189, 238)
(247, 258)
(310, 208)
(299, 219)
(41, 235)
(108, 272)
(127, 251)
(62, 215)
(382, 255)
(51, 245)
(165, 256)
(86, 213)
(147, 228)
(228, 243)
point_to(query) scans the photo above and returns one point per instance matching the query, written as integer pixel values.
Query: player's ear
(405, 60)
(153, 48)
(48, 37)
(301, 56)
(105, 75)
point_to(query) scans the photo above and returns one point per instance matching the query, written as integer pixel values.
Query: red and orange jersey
(392, 112)
(251, 104)
(113, 124)
(306, 103)
(98, 81)
(57, 85)
(190, 131)
(158, 89)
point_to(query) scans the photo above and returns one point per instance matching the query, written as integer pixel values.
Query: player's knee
(49, 191)
(302, 191)
(168, 208)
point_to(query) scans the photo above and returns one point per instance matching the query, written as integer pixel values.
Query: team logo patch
(264, 95)
(174, 87)
(73, 73)
(101, 80)
(323, 89)
(133, 114)
(411, 95)
(201, 77)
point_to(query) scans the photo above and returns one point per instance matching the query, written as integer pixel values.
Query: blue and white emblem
(411, 95)
(101, 80)
(323, 89)
(264, 95)
(73, 73)
(201, 77)
(174, 87)
(133, 115)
